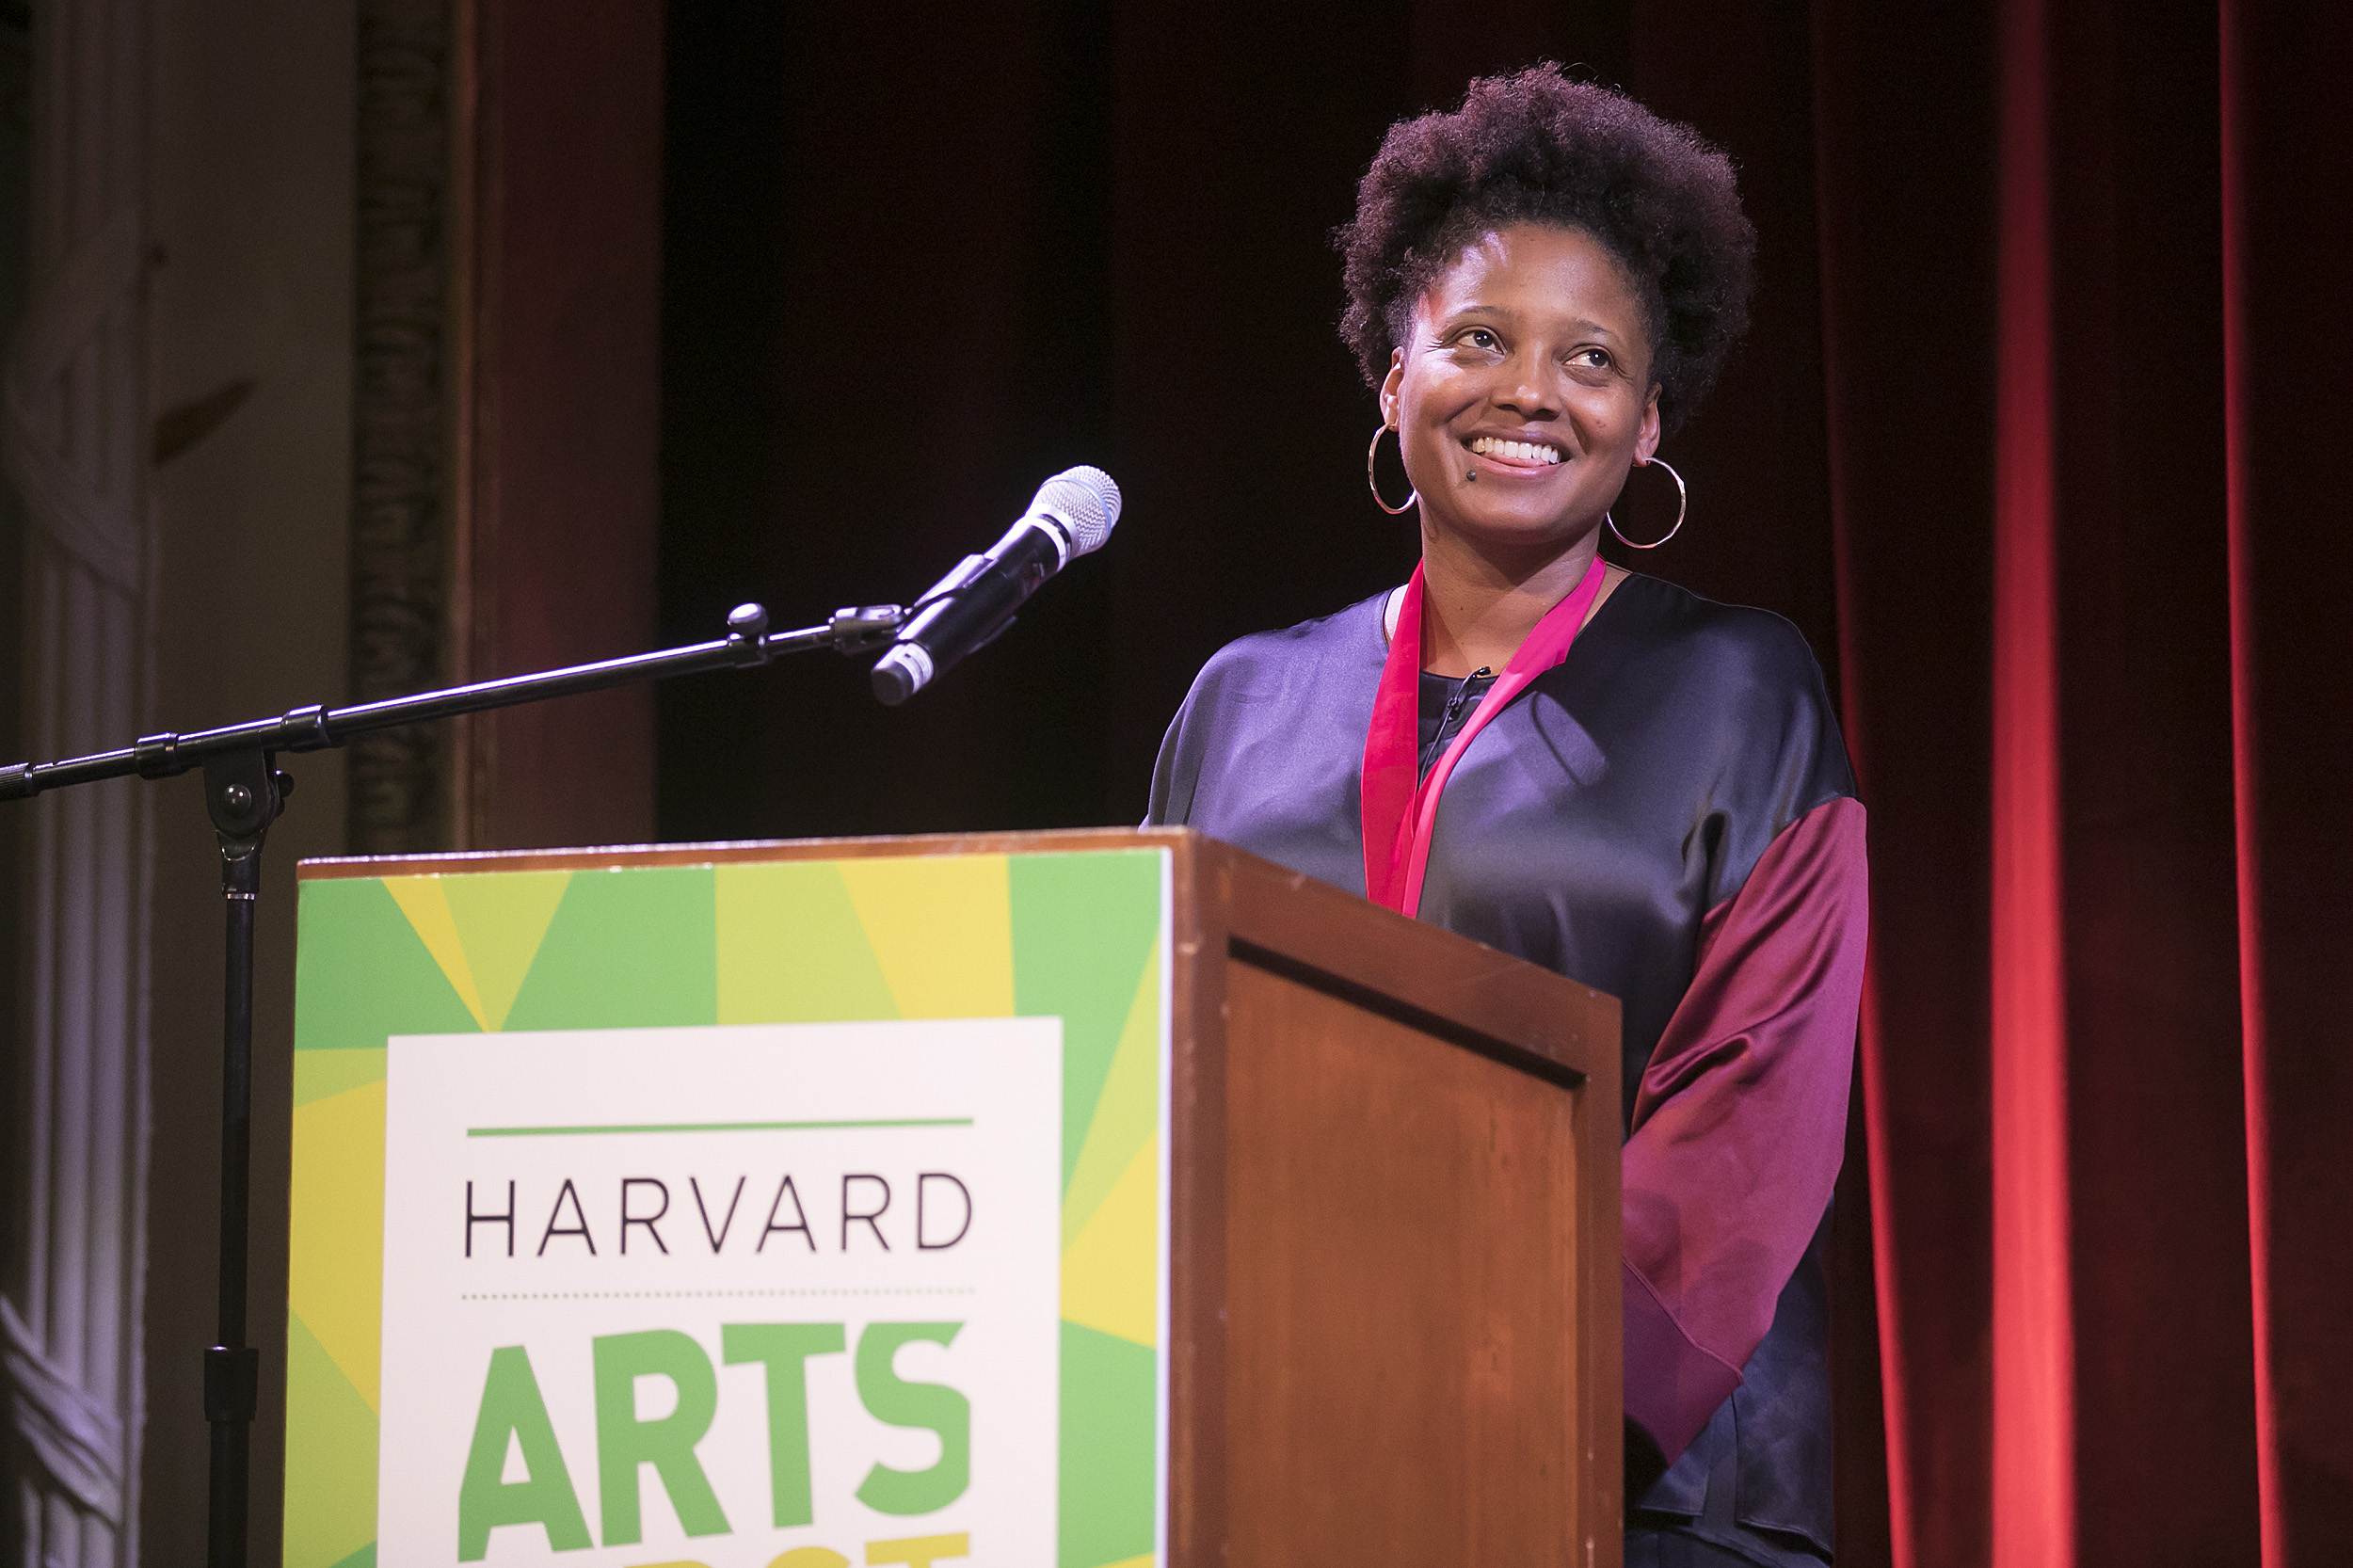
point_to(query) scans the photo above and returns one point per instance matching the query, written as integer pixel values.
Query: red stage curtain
(2068, 606)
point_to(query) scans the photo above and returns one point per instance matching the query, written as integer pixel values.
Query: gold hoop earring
(1683, 504)
(1374, 484)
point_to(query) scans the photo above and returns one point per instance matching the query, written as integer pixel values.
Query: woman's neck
(1478, 606)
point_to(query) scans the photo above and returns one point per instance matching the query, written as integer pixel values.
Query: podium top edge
(737, 851)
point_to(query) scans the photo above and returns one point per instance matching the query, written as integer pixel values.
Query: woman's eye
(1478, 337)
(1592, 359)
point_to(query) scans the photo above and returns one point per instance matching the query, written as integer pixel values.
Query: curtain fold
(2287, 184)
(2033, 1430)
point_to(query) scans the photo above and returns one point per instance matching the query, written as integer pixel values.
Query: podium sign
(758, 1212)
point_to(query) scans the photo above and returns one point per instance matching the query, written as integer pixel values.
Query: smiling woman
(1525, 364)
(1641, 789)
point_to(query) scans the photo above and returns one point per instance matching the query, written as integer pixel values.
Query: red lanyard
(1399, 808)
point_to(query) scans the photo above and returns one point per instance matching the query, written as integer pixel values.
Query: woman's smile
(1517, 455)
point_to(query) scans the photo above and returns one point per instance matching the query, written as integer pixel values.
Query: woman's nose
(1528, 393)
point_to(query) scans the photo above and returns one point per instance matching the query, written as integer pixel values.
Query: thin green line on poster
(711, 1127)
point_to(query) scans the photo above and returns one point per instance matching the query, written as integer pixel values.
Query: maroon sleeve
(1741, 1121)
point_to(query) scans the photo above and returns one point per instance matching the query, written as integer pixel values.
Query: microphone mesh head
(1085, 502)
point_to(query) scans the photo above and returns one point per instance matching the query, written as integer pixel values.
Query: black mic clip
(864, 628)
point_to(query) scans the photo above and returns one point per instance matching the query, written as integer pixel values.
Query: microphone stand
(244, 792)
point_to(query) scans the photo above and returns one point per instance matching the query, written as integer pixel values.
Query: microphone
(1071, 516)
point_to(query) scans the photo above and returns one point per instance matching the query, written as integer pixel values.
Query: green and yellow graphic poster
(757, 1214)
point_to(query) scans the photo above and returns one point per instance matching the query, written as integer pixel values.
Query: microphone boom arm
(858, 629)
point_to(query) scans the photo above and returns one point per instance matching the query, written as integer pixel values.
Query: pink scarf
(1399, 808)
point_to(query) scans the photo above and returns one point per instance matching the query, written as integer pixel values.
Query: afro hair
(1535, 147)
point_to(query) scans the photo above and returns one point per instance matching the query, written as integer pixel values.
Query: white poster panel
(719, 1294)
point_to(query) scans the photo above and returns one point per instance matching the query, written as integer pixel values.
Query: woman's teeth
(1524, 452)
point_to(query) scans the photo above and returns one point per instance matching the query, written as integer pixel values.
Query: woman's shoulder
(1303, 692)
(1265, 660)
(1739, 684)
(1729, 647)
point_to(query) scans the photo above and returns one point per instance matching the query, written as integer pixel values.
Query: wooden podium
(1392, 1209)
(1394, 1291)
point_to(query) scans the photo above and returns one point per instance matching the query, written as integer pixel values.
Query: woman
(1641, 789)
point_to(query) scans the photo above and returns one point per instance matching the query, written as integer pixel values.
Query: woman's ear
(1391, 385)
(1646, 443)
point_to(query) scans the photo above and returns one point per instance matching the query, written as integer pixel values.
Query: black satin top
(1590, 827)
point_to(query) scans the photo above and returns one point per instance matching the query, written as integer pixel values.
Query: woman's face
(1523, 392)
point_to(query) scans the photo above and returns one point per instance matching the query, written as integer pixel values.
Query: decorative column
(403, 794)
(74, 429)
